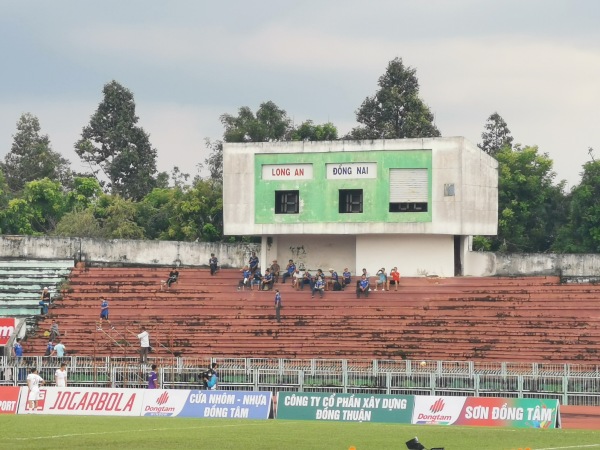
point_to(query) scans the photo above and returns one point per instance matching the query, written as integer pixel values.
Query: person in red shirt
(394, 279)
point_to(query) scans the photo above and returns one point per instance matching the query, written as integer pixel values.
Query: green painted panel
(345, 407)
(319, 196)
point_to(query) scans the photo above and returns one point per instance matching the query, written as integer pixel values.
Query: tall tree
(114, 143)
(531, 208)
(396, 110)
(581, 233)
(31, 157)
(496, 135)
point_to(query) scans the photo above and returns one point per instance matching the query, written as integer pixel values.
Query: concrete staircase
(500, 319)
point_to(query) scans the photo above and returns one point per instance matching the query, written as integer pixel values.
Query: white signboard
(351, 171)
(287, 172)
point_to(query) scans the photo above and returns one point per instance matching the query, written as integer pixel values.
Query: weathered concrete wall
(165, 253)
(127, 252)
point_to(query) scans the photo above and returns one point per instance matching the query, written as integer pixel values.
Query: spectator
(213, 262)
(33, 383)
(267, 281)
(49, 348)
(18, 351)
(153, 378)
(256, 279)
(275, 269)
(296, 279)
(319, 284)
(278, 305)
(44, 302)
(103, 309)
(363, 287)
(173, 278)
(289, 270)
(346, 277)
(253, 263)
(144, 338)
(307, 278)
(245, 281)
(54, 333)
(60, 376)
(394, 278)
(333, 282)
(381, 280)
(59, 350)
(364, 274)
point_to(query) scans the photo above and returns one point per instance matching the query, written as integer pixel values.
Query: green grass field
(85, 432)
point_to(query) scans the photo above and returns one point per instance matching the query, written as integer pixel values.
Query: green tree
(31, 157)
(581, 232)
(496, 135)
(46, 200)
(199, 206)
(396, 110)
(118, 218)
(308, 131)
(80, 223)
(270, 123)
(531, 208)
(114, 143)
(155, 211)
(85, 191)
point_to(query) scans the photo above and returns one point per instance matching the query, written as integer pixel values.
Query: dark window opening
(351, 201)
(408, 207)
(287, 202)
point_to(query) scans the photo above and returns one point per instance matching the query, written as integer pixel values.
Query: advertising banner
(7, 327)
(234, 405)
(486, 411)
(9, 399)
(86, 401)
(345, 407)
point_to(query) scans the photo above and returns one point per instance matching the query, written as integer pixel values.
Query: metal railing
(571, 384)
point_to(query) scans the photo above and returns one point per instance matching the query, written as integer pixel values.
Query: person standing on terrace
(253, 263)
(213, 262)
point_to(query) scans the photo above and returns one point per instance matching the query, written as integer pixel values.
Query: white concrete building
(410, 203)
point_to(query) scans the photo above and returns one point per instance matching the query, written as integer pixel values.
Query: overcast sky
(537, 63)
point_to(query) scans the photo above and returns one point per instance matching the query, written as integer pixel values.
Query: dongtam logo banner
(344, 407)
(486, 411)
(9, 399)
(86, 401)
(7, 327)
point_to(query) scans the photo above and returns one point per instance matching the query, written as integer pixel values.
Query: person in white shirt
(60, 376)
(33, 383)
(144, 338)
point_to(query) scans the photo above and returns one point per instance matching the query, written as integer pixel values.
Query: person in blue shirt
(267, 281)
(346, 277)
(256, 279)
(49, 348)
(18, 350)
(319, 285)
(333, 282)
(253, 263)
(245, 281)
(289, 270)
(363, 287)
(277, 305)
(103, 309)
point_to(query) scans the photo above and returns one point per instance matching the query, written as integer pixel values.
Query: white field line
(571, 446)
(99, 433)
